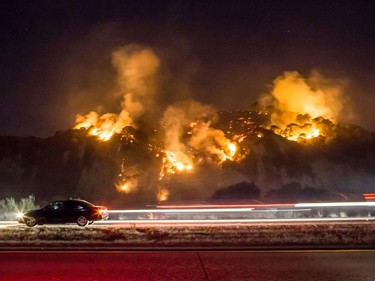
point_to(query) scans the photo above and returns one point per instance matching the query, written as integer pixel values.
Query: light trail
(192, 222)
(369, 196)
(336, 204)
(192, 206)
(214, 210)
(255, 206)
(229, 221)
(241, 213)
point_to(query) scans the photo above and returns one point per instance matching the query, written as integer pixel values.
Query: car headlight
(20, 215)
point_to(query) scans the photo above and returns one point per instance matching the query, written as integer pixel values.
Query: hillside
(74, 164)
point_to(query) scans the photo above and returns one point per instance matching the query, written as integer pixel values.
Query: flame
(232, 148)
(304, 108)
(127, 185)
(104, 126)
(297, 133)
(211, 141)
(175, 162)
(162, 195)
(137, 68)
(122, 187)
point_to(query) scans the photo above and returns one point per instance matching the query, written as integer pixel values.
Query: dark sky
(55, 58)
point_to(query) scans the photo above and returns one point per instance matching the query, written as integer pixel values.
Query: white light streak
(215, 221)
(335, 204)
(195, 206)
(215, 210)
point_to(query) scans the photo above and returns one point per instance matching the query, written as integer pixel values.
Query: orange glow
(126, 186)
(103, 126)
(305, 108)
(163, 194)
(232, 149)
(295, 132)
(175, 162)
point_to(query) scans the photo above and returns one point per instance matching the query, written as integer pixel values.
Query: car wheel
(82, 221)
(30, 222)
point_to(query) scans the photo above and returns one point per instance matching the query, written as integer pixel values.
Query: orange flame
(162, 195)
(104, 126)
(304, 108)
(175, 162)
(126, 186)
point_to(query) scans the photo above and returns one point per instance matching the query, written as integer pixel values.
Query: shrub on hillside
(9, 207)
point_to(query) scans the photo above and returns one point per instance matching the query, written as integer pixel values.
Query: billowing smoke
(212, 141)
(137, 68)
(297, 103)
(188, 132)
(176, 121)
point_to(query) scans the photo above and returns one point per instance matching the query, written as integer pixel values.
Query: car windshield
(54, 205)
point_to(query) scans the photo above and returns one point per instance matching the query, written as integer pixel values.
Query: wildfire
(127, 185)
(232, 148)
(123, 187)
(162, 195)
(304, 134)
(103, 126)
(304, 108)
(175, 161)
(189, 136)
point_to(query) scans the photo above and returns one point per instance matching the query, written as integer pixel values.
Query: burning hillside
(190, 134)
(187, 133)
(74, 164)
(148, 151)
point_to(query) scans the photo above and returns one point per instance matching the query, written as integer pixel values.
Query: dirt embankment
(313, 235)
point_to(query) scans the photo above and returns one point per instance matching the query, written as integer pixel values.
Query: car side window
(80, 207)
(57, 206)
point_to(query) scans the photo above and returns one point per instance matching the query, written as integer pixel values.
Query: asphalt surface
(194, 265)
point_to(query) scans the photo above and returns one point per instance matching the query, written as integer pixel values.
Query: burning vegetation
(188, 137)
(189, 134)
(304, 108)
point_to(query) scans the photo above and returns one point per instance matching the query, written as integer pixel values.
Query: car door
(70, 211)
(56, 212)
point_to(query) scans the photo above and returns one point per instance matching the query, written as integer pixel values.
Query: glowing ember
(232, 149)
(162, 194)
(239, 138)
(123, 187)
(127, 186)
(175, 161)
(260, 135)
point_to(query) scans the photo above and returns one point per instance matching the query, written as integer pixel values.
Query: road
(224, 222)
(194, 265)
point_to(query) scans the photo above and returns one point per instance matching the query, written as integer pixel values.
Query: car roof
(74, 200)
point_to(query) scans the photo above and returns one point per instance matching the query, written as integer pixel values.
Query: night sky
(55, 58)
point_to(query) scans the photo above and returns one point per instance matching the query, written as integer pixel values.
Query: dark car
(65, 211)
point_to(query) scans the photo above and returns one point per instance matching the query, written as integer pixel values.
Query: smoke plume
(137, 68)
(176, 120)
(315, 95)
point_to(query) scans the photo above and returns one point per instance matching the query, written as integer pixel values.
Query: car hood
(32, 213)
